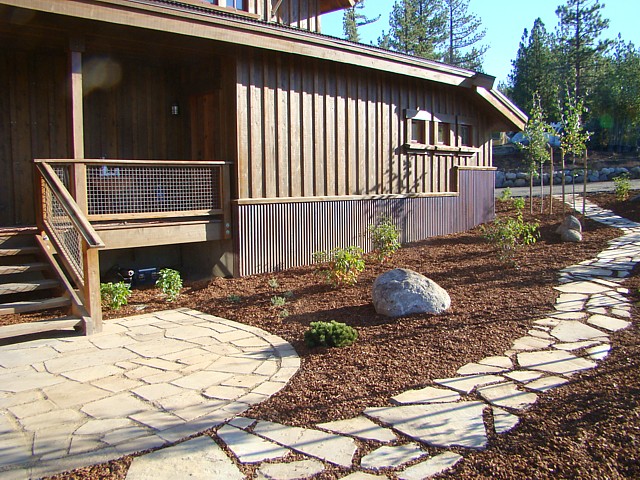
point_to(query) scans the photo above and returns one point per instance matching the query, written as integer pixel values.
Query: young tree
(352, 19)
(574, 138)
(535, 71)
(581, 25)
(463, 32)
(417, 28)
(537, 131)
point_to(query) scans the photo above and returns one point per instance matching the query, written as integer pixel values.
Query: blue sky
(505, 21)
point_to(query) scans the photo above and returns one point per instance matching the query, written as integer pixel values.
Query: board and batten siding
(311, 128)
(303, 14)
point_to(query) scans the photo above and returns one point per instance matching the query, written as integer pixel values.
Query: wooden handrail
(145, 163)
(76, 216)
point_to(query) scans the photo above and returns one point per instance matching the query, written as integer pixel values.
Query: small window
(464, 133)
(237, 4)
(444, 134)
(419, 132)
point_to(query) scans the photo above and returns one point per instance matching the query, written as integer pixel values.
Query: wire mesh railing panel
(64, 173)
(60, 226)
(125, 189)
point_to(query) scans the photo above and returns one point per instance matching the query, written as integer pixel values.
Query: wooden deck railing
(75, 241)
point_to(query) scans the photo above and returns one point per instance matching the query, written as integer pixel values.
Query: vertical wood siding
(277, 236)
(33, 124)
(309, 128)
(303, 14)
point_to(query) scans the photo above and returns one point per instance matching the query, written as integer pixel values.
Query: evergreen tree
(535, 71)
(417, 28)
(463, 32)
(581, 25)
(353, 19)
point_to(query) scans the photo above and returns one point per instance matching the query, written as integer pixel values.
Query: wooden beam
(76, 47)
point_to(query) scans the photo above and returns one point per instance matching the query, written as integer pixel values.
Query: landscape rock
(402, 292)
(570, 230)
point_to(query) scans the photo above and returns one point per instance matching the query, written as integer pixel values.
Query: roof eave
(328, 6)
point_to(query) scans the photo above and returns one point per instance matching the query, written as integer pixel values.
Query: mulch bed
(588, 429)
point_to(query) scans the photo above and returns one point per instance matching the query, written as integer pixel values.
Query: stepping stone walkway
(574, 337)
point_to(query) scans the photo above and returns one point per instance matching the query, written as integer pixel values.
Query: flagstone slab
(531, 343)
(567, 316)
(608, 323)
(523, 376)
(433, 466)
(501, 361)
(503, 421)
(479, 369)
(331, 448)
(426, 395)
(575, 345)
(546, 383)
(554, 361)
(569, 331)
(392, 456)
(507, 395)
(289, 471)
(599, 352)
(250, 448)
(197, 459)
(363, 476)
(440, 425)
(467, 384)
(360, 427)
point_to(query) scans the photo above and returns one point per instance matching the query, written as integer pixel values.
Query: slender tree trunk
(584, 188)
(541, 188)
(551, 181)
(563, 182)
(531, 191)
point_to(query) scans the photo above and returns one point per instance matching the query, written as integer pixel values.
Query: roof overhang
(234, 29)
(327, 6)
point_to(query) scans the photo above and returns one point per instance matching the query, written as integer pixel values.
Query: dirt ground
(587, 429)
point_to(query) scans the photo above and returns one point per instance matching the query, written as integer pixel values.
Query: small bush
(344, 265)
(284, 313)
(622, 186)
(115, 295)
(170, 282)
(273, 283)
(278, 301)
(330, 334)
(385, 237)
(505, 195)
(518, 203)
(511, 233)
(233, 298)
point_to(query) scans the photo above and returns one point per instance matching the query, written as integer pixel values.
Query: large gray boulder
(570, 230)
(402, 292)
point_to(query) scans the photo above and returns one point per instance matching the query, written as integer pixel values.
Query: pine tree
(417, 28)
(535, 71)
(463, 32)
(581, 25)
(353, 19)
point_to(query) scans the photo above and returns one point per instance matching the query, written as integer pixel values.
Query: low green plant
(518, 203)
(273, 283)
(343, 265)
(622, 186)
(330, 334)
(170, 282)
(511, 233)
(385, 237)
(115, 295)
(284, 313)
(278, 301)
(287, 294)
(233, 298)
(505, 195)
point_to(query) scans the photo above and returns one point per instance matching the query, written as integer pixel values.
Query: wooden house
(221, 137)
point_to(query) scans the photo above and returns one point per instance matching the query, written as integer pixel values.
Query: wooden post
(76, 47)
(91, 288)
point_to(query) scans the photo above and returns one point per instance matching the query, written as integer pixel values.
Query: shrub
(518, 203)
(170, 282)
(233, 298)
(505, 195)
(330, 334)
(385, 237)
(510, 234)
(344, 265)
(278, 301)
(114, 295)
(622, 186)
(273, 283)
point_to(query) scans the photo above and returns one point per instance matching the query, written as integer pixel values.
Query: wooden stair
(29, 285)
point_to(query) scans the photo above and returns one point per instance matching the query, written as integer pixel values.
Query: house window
(237, 4)
(444, 133)
(417, 128)
(419, 132)
(464, 135)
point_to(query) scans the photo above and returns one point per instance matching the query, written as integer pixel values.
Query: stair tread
(20, 329)
(22, 267)
(27, 286)
(33, 305)
(8, 252)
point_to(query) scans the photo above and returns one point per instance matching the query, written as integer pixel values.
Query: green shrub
(511, 233)
(622, 186)
(284, 313)
(233, 298)
(344, 265)
(115, 295)
(385, 237)
(278, 301)
(170, 283)
(330, 334)
(518, 203)
(505, 195)
(273, 283)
